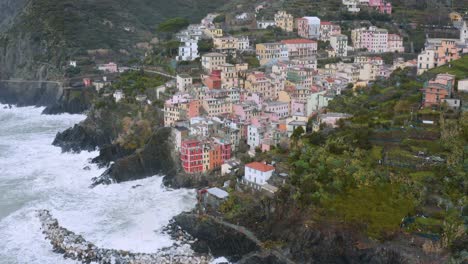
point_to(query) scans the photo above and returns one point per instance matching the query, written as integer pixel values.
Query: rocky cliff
(212, 237)
(158, 156)
(50, 94)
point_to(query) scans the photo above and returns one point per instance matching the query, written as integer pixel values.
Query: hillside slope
(38, 36)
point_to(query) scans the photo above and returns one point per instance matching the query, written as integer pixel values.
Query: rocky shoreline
(75, 247)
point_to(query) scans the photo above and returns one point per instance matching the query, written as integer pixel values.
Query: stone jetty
(75, 247)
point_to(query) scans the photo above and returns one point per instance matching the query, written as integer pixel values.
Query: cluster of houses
(231, 108)
(441, 91)
(441, 51)
(310, 28)
(355, 6)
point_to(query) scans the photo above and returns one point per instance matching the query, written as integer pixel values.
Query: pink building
(298, 106)
(395, 43)
(87, 82)
(373, 39)
(109, 67)
(381, 6)
(280, 108)
(308, 27)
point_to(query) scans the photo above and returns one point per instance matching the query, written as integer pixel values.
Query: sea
(35, 175)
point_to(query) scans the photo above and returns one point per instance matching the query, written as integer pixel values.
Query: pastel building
(284, 21)
(300, 48)
(438, 52)
(183, 82)
(381, 6)
(437, 90)
(372, 39)
(215, 106)
(339, 43)
(328, 29)
(308, 27)
(271, 52)
(211, 61)
(395, 43)
(257, 173)
(279, 108)
(110, 67)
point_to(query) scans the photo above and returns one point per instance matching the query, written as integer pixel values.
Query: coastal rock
(158, 156)
(30, 93)
(210, 236)
(77, 248)
(79, 138)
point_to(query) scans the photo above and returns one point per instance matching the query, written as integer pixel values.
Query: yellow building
(214, 32)
(284, 21)
(212, 61)
(270, 52)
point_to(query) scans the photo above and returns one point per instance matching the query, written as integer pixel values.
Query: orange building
(435, 91)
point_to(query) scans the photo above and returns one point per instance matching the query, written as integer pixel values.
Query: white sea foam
(36, 175)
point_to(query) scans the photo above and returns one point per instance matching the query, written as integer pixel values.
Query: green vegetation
(369, 172)
(135, 82)
(459, 68)
(173, 25)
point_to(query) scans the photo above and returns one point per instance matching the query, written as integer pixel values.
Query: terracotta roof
(326, 23)
(260, 166)
(298, 41)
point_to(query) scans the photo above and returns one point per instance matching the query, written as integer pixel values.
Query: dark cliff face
(217, 239)
(158, 156)
(30, 93)
(56, 99)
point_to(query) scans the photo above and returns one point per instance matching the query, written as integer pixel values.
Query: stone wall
(75, 247)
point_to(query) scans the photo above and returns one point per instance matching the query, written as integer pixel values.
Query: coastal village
(233, 103)
(232, 107)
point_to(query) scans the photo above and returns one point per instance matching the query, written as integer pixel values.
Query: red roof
(260, 166)
(298, 41)
(326, 23)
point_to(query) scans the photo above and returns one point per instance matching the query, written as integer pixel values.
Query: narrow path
(155, 72)
(251, 236)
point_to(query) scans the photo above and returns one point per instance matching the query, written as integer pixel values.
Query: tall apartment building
(211, 61)
(284, 21)
(328, 29)
(308, 27)
(339, 43)
(395, 43)
(188, 51)
(373, 39)
(300, 48)
(271, 52)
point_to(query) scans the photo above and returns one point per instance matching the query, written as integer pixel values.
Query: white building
(184, 81)
(339, 43)
(118, 95)
(188, 51)
(255, 136)
(463, 85)
(264, 24)
(257, 174)
(352, 6)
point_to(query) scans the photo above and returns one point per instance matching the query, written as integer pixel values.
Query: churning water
(36, 175)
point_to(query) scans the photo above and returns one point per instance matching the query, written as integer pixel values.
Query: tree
(173, 25)
(220, 19)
